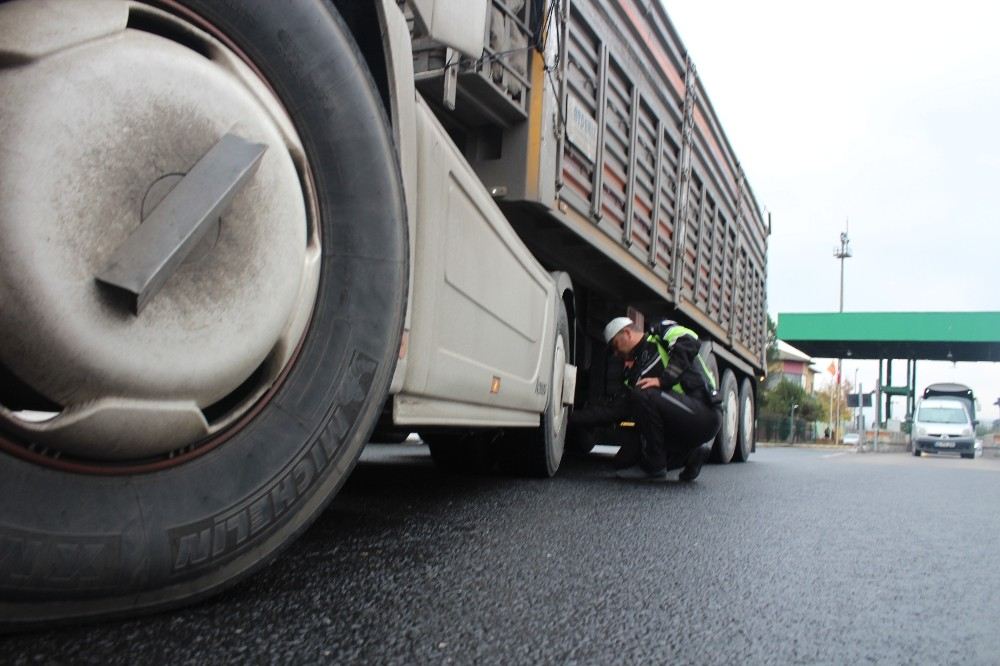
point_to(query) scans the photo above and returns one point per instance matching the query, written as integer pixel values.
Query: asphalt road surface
(799, 556)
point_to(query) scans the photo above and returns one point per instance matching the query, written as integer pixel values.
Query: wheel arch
(368, 25)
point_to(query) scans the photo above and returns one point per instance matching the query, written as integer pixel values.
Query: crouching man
(670, 395)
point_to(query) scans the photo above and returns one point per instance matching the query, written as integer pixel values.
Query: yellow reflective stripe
(665, 357)
(708, 373)
(677, 331)
(664, 354)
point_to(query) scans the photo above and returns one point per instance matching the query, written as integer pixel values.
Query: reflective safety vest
(671, 336)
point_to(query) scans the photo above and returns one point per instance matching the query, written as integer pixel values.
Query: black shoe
(636, 473)
(697, 458)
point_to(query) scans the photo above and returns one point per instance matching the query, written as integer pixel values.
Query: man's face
(624, 342)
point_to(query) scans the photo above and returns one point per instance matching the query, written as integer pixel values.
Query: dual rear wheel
(735, 439)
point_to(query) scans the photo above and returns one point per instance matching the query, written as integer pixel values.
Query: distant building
(791, 365)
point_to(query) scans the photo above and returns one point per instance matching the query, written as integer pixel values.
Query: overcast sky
(884, 113)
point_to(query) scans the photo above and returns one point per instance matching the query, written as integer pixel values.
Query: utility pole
(859, 420)
(841, 253)
(858, 391)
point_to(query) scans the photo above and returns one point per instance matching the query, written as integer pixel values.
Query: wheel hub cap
(96, 135)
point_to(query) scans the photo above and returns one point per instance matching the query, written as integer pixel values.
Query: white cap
(615, 326)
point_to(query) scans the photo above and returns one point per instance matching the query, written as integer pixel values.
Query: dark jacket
(670, 352)
(681, 371)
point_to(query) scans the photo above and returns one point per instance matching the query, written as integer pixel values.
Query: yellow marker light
(495, 385)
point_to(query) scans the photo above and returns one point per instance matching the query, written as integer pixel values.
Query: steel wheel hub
(557, 399)
(120, 160)
(732, 417)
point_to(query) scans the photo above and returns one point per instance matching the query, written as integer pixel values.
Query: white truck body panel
(482, 311)
(478, 339)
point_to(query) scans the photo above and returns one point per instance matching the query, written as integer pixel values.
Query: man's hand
(648, 382)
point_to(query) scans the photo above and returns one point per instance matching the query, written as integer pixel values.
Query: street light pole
(843, 253)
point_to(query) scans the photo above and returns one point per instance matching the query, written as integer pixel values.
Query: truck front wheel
(158, 441)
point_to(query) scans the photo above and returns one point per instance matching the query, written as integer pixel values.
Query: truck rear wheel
(725, 441)
(745, 437)
(154, 453)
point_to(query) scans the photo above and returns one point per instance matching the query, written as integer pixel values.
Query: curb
(807, 445)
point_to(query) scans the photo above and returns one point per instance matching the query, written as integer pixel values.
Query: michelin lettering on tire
(204, 543)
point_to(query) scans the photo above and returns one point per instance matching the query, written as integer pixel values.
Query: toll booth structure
(895, 336)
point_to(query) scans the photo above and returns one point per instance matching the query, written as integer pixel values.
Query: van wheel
(187, 439)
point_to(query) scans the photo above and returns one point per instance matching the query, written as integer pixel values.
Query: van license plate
(946, 445)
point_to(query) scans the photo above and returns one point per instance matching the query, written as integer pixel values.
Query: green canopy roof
(937, 336)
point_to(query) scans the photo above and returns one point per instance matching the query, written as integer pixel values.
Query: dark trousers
(671, 425)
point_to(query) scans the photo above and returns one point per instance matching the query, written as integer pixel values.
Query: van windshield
(942, 415)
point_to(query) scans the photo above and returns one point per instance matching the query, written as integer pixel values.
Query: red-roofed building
(791, 365)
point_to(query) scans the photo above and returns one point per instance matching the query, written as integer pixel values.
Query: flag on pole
(832, 369)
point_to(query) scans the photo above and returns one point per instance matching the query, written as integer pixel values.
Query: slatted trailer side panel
(645, 160)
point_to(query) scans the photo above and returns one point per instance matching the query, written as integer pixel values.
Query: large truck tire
(725, 440)
(747, 423)
(120, 522)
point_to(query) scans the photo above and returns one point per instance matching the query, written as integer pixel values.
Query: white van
(944, 425)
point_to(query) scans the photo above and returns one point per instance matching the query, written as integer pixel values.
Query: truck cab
(237, 236)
